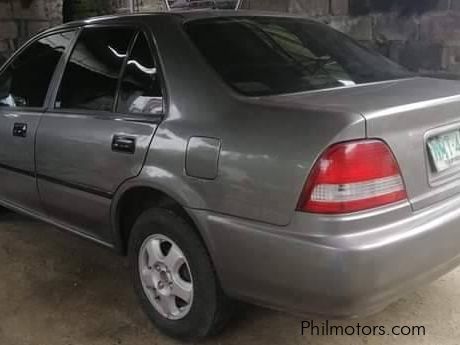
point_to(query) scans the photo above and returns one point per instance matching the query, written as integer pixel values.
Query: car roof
(184, 15)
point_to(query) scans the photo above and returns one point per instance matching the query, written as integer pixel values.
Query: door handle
(123, 143)
(20, 130)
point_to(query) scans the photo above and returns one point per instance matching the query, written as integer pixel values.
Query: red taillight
(351, 177)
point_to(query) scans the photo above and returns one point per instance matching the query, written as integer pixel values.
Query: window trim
(123, 70)
(153, 51)
(154, 48)
(133, 117)
(49, 91)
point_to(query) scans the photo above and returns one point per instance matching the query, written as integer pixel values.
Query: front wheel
(174, 277)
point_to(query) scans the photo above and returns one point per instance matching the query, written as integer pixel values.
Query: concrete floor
(56, 289)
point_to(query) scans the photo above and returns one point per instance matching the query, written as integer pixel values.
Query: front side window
(140, 87)
(91, 76)
(25, 81)
(271, 55)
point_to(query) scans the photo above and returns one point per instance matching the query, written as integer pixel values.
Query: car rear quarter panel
(404, 113)
(267, 150)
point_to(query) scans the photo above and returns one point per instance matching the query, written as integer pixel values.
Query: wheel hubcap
(166, 277)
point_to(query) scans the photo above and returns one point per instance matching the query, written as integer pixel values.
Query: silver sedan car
(236, 156)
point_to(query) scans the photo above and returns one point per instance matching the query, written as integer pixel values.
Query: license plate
(444, 150)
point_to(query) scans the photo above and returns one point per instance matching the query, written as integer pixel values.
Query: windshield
(271, 55)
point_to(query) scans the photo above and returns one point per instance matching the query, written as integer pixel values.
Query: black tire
(210, 309)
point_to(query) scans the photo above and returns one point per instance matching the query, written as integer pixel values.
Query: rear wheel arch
(132, 202)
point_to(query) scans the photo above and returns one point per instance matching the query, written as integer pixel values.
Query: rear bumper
(334, 266)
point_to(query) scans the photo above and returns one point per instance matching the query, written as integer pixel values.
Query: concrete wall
(121, 6)
(79, 9)
(19, 19)
(423, 35)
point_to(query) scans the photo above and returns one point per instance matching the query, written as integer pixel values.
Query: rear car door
(24, 85)
(106, 110)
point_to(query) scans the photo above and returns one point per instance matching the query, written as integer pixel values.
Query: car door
(107, 107)
(24, 84)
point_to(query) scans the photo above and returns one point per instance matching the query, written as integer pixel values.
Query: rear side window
(140, 90)
(26, 80)
(91, 76)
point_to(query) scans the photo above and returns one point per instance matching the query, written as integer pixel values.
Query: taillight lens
(351, 177)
